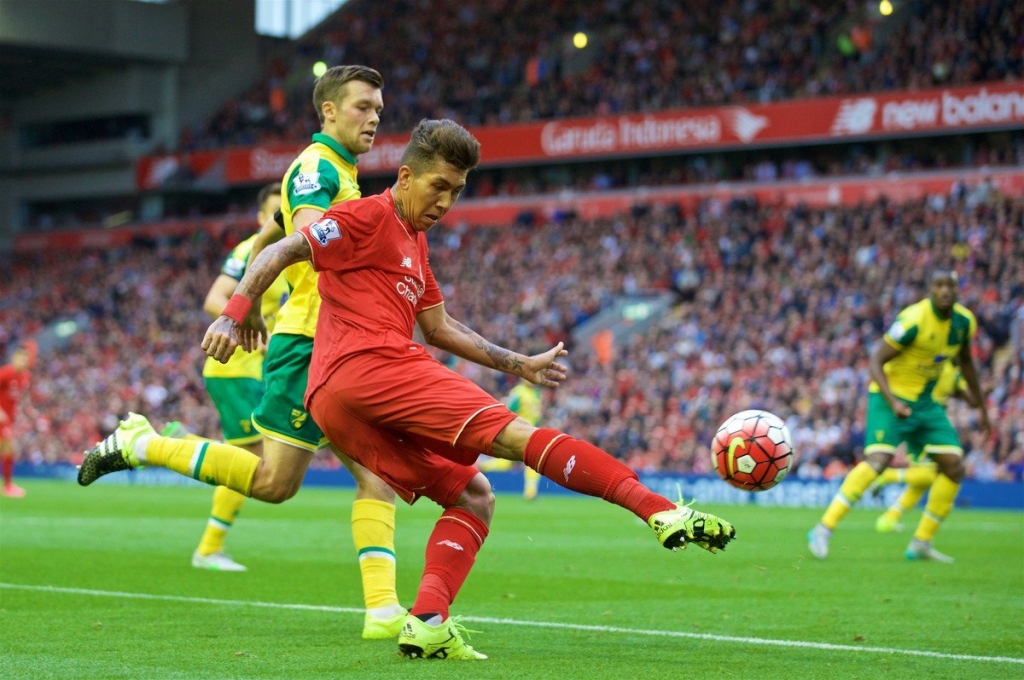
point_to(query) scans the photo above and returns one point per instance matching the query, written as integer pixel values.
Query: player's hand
(221, 339)
(900, 409)
(543, 370)
(252, 335)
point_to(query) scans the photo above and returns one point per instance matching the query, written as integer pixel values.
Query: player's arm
(273, 231)
(232, 328)
(880, 356)
(970, 375)
(219, 294)
(442, 331)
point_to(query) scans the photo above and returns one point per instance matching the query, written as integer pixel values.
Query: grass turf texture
(567, 561)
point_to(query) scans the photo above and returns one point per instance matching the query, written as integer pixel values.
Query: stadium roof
(31, 69)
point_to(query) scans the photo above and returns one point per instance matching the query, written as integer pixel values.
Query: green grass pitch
(96, 583)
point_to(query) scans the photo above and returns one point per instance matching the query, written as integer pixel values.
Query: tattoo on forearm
(269, 264)
(503, 359)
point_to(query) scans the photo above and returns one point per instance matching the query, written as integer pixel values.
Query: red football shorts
(414, 423)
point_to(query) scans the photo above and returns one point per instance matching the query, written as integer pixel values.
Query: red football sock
(451, 552)
(7, 468)
(584, 468)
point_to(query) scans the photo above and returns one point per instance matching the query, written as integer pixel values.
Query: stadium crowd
(521, 65)
(776, 308)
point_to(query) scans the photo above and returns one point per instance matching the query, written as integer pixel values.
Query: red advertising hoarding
(985, 106)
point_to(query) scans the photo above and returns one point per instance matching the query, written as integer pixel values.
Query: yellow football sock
(890, 476)
(195, 438)
(910, 497)
(940, 504)
(531, 480)
(210, 462)
(921, 477)
(226, 504)
(373, 531)
(494, 465)
(856, 482)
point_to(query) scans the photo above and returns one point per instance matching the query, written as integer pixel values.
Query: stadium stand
(775, 303)
(520, 64)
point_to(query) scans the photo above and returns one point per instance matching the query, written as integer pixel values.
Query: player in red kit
(381, 398)
(14, 380)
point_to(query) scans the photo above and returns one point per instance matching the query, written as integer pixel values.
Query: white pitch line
(767, 642)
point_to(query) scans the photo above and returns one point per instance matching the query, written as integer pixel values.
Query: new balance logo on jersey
(407, 262)
(568, 467)
(451, 544)
(325, 231)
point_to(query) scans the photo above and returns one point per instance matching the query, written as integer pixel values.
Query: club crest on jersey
(325, 231)
(298, 418)
(306, 183)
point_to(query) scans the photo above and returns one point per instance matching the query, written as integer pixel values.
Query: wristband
(237, 308)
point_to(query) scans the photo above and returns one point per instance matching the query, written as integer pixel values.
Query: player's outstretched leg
(136, 443)
(582, 467)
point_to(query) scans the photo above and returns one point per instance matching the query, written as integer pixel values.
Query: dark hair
(330, 87)
(266, 192)
(445, 140)
(944, 273)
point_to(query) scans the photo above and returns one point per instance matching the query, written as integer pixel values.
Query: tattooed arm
(224, 334)
(442, 331)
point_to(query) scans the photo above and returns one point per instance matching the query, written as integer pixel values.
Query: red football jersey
(374, 278)
(13, 384)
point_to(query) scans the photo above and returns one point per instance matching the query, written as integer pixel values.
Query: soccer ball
(752, 450)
